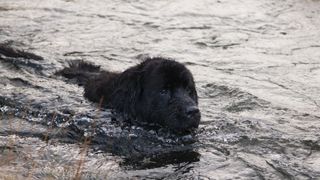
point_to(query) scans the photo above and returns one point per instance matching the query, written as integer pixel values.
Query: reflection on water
(256, 66)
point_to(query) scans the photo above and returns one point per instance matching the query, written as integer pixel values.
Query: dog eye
(164, 91)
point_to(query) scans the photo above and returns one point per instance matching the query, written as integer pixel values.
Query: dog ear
(128, 91)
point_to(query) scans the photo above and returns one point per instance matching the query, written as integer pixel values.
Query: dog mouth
(185, 125)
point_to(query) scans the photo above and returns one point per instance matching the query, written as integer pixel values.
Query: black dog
(157, 91)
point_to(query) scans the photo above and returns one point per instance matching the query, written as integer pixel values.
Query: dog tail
(79, 71)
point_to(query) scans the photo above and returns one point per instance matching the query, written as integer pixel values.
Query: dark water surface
(256, 66)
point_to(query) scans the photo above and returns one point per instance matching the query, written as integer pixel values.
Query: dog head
(167, 95)
(160, 92)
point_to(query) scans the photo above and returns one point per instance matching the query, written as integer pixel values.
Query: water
(257, 71)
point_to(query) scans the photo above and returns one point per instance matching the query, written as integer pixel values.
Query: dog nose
(192, 111)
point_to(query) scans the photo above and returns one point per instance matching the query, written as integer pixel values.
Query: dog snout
(192, 111)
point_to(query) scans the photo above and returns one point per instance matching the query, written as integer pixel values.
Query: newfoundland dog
(157, 91)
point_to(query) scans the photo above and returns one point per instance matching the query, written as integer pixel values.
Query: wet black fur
(157, 91)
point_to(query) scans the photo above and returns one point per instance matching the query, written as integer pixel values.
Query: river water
(256, 65)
